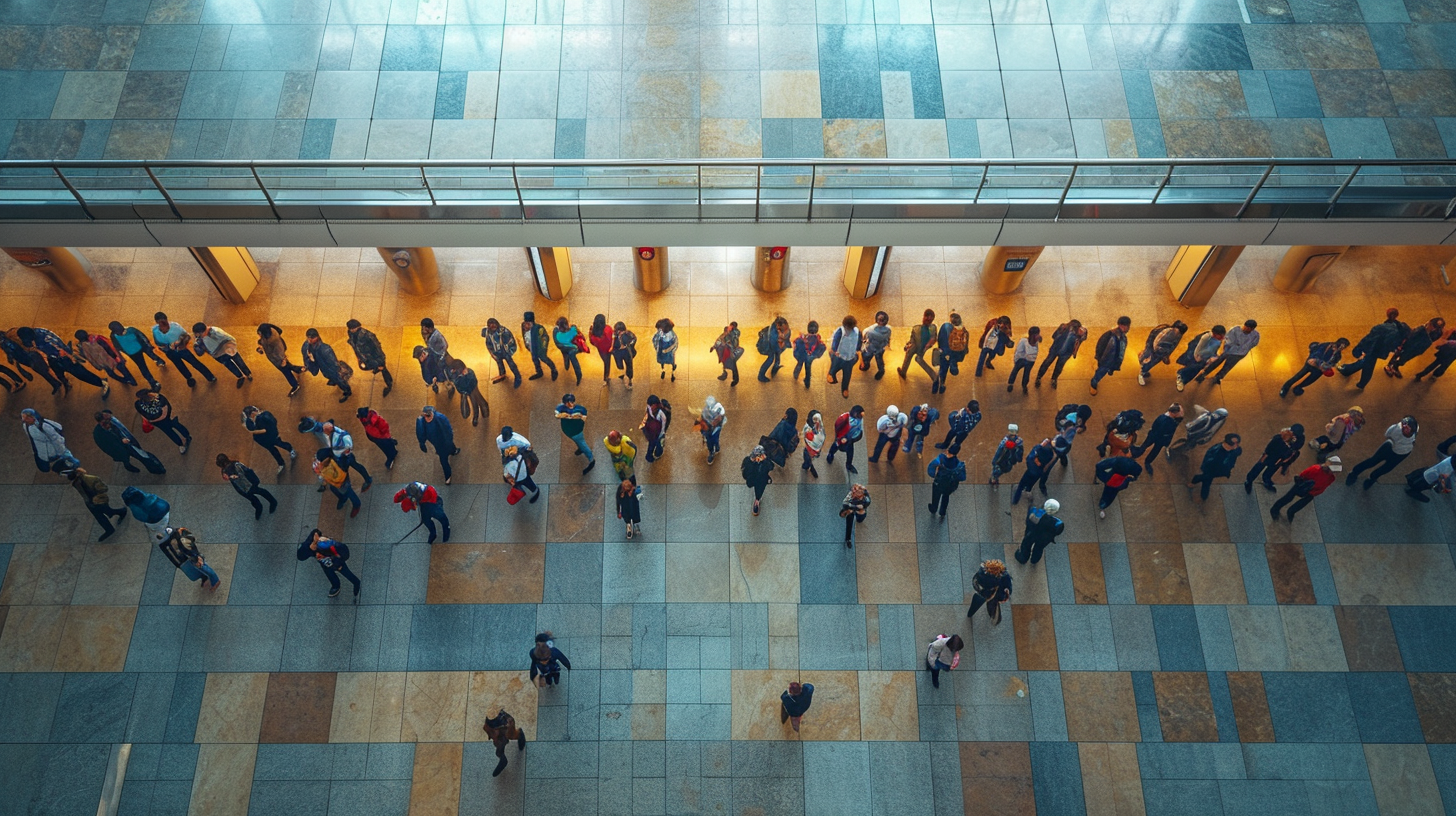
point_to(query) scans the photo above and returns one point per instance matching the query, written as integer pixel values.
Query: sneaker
(355, 511)
(588, 468)
(1178, 383)
(293, 454)
(1350, 480)
(538, 375)
(1054, 384)
(1299, 392)
(1093, 389)
(241, 380)
(334, 593)
(1283, 392)
(447, 535)
(1141, 379)
(367, 484)
(279, 472)
(1008, 389)
(1249, 488)
(710, 458)
(294, 389)
(533, 498)
(879, 375)
(851, 469)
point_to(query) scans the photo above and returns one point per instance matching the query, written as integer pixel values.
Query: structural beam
(1006, 266)
(415, 267)
(1196, 271)
(1302, 266)
(65, 267)
(864, 269)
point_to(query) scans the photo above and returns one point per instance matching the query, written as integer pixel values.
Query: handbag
(147, 426)
(515, 495)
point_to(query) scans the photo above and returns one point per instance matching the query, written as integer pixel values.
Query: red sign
(777, 253)
(647, 253)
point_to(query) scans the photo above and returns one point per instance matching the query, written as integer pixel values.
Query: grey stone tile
(1258, 585)
(761, 760)
(1384, 709)
(245, 639)
(1179, 647)
(1134, 638)
(1190, 760)
(748, 636)
(1085, 640)
(273, 47)
(368, 636)
(439, 639)
(682, 652)
(1217, 638)
(836, 778)
(634, 572)
(155, 646)
(293, 762)
(1305, 761)
(832, 637)
(1048, 711)
(988, 708)
(698, 619)
(900, 649)
(402, 94)
(149, 706)
(1055, 773)
(1258, 638)
(698, 721)
(1117, 574)
(1342, 797)
(941, 581)
(305, 650)
(186, 704)
(1223, 706)
(1310, 707)
(30, 706)
(827, 574)
(649, 636)
(394, 640)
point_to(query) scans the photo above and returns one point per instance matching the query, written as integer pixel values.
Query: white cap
(1012, 428)
(1334, 463)
(1051, 506)
(892, 411)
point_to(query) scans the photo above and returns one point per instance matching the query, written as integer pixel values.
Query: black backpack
(666, 414)
(532, 461)
(1128, 421)
(764, 346)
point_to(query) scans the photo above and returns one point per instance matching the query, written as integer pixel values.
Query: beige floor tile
(649, 721)
(490, 691)
(767, 573)
(436, 787)
(232, 707)
(486, 573)
(887, 706)
(31, 638)
(1391, 574)
(699, 573)
(434, 706)
(386, 722)
(353, 707)
(1313, 637)
(1403, 779)
(112, 574)
(95, 638)
(836, 709)
(888, 573)
(1111, 783)
(1214, 574)
(223, 783)
(756, 703)
(186, 592)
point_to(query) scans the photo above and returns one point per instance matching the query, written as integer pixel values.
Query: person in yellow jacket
(624, 454)
(337, 478)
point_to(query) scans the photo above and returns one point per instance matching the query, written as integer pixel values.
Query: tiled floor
(1176, 657)
(627, 79)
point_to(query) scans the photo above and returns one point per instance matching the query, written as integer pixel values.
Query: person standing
(569, 343)
(1039, 461)
(502, 731)
(473, 404)
(1116, 473)
(426, 499)
(624, 350)
(151, 510)
(1066, 340)
(1236, 346)
(623, 453)
(654, 426)
(1282, 449)
(273, 347)
(132, 342)
(1042, 529)
(439, 350)
(333, 557)
(994, 342)
(889, 426)
(537, 341)
(46, 441)
(1202, 351)
(794, 703)
(263, 427)
(600, 337)
(155, 409)
(1375, 346)
(1159, 437)
(757, 472)
(1007, 454)
(853, 509)
(961, 423)
(1024, 358)
(808, 347)
(176, 343)
(946, 473)
(1338, 432)
(341, 445)
(518, 473)
(59, 358)
(1321, 362)
(1310, 482)
(500, 343)
(431, 426)
(629, 507)
(1414, 345)
(955, 342)
(114, 440)
(1400, 440)
(245, 481)
(573, 427)
(710, 425)
(943, 654)
(922, 419)
(1438, 477)
(376, 430)
(813, 436)
(844, 347)
(876, 341)
(1111, 349)
(180, 547)
(336, 477)
(222, 347)
(546, 662)
(772, 340)
(319, 358)
(103, 356)
(992, 587)
(1218, 463)
(94, 492)
(370, 353)
(1444, 357)
(848, 429)
(664, 342)
(727, 350)
(922, 339)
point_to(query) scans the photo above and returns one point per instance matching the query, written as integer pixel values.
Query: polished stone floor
(1177, 657)
(625, 79)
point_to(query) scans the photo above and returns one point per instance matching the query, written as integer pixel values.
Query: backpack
(1187, 356)
(959, 339)
(764, 345)
(666, 414)
(1102, 343)
(532, 461)
(1128, 421)
(332, 474)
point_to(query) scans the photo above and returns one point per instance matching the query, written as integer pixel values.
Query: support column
(1005, 267)
(551, 269)
(65, 267)
(770, 269)
(650, 272)
(1302, 265)
(231, 270)
(415, 267)
(1196, 272)
(864, 268)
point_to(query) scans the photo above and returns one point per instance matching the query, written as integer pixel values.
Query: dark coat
(1219, 461)
(437, 432)
(109, 439)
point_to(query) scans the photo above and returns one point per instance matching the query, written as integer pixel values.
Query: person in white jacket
(943, 654)
(1025, 356)
(45, 437)
(224, 348)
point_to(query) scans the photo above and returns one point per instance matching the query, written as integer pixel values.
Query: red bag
(580, 343)
(515, 495)
(1116, 480)
(147, 426)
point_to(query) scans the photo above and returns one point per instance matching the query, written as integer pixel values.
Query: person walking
(246, 482)
(808, 347)
(1162, 341)
(1414, 345)
(132, 342)
(573, 427)
(114, 440)
(922, 420)
(319, 358)
(222, 347)
(629, 507)
(94, 493)
(1310, 482)
(156, 410)
(1042, 529)
(1111, 349)
(992, 587)
(794, 703)
(500, 343)
(889, 426)
(1236, 346)
(853, 509)
(773, 339)
(710, 425)
(922, 339)
(518, 471)
(376, 430)
(1400, 440)
(1200, 354)
(954, 340)
(757, 473)
(369, 353)
(1116, 473)
(727, 349)
(473, 404)
(431, 426)
(946, 473)
(844, 347)
(624, 350)
(46, 441)
(151, 510)
(1281, 451)
(332, 557)
(1160, 436)
(623, 454)
(664, 343)
(600, 337)
(341, 445)
(813, 435)
(1321, 362)
(336, 477)
(994, 341)
(1066, 340)
(273, 347)
(537, 341)
(1444, 357)
(24, 357)
(1122, 434)
(1337, 432)
(60, 358)
(783, 440)
(1039, 461)
(1376, 345)
(848, 429)
(961, 423)
(1438, 477)
(12, 380)
(176, 343)
(1071, 420)
(1024, 358)
(103, 356)
(569, 343)
(1007, 454)
(1218, 463)
(546, 662)
(654, 426)
(426, 499)
(502, 731)
(943, 654)
(180, 547)
(873, 347)
(263, 427)
(439, 350)
(430, 370)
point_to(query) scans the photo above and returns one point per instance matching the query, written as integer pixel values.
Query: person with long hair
(992, 585)
(600, 337)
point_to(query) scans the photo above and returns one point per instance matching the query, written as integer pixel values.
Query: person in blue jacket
(431, 426)
(546, 661)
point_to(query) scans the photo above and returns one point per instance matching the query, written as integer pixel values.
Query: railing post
(1257, 187)
(1166, 178)
(1341, 191)
(261, 186)
(74, 191)
(163, 191)
(426, 181)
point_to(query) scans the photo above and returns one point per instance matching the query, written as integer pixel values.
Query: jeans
(1436, 368)
(1302, 379)
(529, 485)
(140, 358)
(606, 364)
(808, 368)
(624, 363)
(252, 496)
(272, 445)
(935, 670)
(1029, 550)
(569, 362)
(1102, 371)
(808, 461)
(711, 438)
(986, 357)
(445, 460)
(917, 357)
(654, 446)
(342, 569)
(837, 365)
(288, 370)
(75, 369)
(234, 363)
(1207, 479)
(952, 438)
(886, 439)
(879, 357)
(992, 606)
(914, 440)
(1263, 468)
(346, 494)
(1029, 478)
(502, 362)
(1188, 372)
(174, 430)
(1152, 449)
(1365, 365)
(1109, 495)
(1221, 366)
(849, 522)
(538, 359)
(1023, 366)
(771, 361)
(581, 445)
(104, 514)
(847, 447)
(182, 358)
(1289, 496)
(430, 512)
(390, 447)
(939, 499)
(1061, 362)
(348, 461)
(204, 573)
(121, 375)
(1383, 460)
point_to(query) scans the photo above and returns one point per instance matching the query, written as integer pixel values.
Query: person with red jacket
(1311, 482)
(377, 430)
(427, 500)
(600, 336)
(848, 429)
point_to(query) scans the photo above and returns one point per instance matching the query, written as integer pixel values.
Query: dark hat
(362, 413)
(529, 317)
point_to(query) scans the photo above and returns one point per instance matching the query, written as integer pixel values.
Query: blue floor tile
(1048, 709)
(836, 778)
(912, 48)
(1217, 638)
(649, 636)
(241, 638)
(441, 638)
(279, 763)
(412, 48)
(186, 705)
(1426, 636)
(832, 638)
(849, 74)
(29, 706)
(93, 708)
(748, 636)
(1179, 645)
(1190, 760)
(1310, 707)
(1223, 707)
(1294, 94)
(503, 635)
(1258, 797)
(389, 760)
(573, 572)
(1384, 709)
(370, 798)
(155, 646)
(301, 798)
(827, 574)
(1084, 638)
(1056, 776)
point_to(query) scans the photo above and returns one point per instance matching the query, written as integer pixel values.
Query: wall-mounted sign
(1016, 264)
